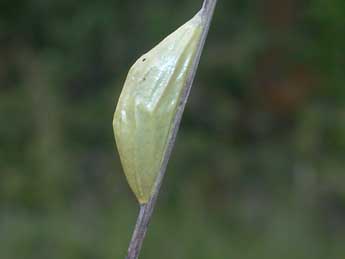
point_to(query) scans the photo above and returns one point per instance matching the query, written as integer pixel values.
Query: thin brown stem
(146, 210)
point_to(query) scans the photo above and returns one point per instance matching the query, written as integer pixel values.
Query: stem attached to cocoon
(150, 109)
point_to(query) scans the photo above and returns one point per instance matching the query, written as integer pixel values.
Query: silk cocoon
(148, 103)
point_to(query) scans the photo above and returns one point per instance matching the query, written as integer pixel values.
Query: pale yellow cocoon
(148, 103)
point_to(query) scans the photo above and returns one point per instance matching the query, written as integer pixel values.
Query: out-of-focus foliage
(258, 168)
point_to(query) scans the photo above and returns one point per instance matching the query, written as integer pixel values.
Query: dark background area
(258, 167)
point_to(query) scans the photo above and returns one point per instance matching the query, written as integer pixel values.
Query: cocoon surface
(148, 103)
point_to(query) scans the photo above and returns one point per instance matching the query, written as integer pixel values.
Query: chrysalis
(148, 103)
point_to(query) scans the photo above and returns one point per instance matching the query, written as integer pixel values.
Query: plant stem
(146, 210)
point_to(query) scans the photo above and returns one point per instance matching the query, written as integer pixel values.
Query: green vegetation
(258, 167)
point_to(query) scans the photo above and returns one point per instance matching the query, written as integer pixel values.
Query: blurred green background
(258, 167)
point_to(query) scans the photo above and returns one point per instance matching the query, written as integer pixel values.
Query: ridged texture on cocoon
(148, 103)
